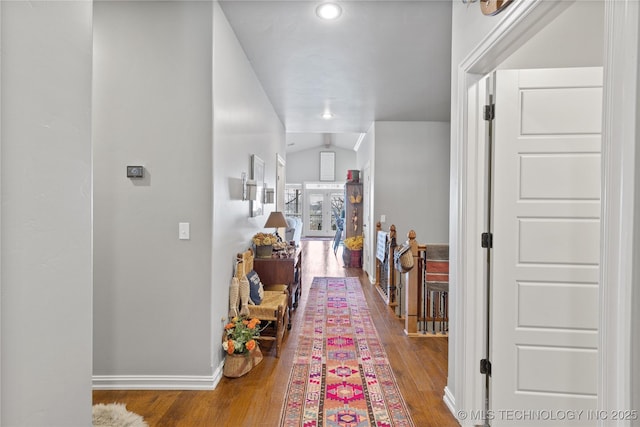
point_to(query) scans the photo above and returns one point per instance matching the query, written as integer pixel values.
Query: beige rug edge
(116, 415)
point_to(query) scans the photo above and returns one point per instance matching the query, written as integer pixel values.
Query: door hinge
(487, 240)
(489, 112)
(485, 367)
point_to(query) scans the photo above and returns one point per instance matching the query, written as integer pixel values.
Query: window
(293, 200)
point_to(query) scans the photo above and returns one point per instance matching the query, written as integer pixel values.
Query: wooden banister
(412, 300)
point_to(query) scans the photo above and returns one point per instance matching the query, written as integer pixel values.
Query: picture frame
(257, 174)
(327, 166)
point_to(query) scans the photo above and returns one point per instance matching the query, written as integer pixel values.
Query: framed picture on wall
(327, 166)
(257, 174)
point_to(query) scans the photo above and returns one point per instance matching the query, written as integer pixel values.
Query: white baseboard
(158, 382)
(450, 401)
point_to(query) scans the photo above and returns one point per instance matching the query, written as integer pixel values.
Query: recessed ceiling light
(329, 11)
(327, 115)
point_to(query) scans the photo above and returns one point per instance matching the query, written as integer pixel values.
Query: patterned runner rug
(341, 375)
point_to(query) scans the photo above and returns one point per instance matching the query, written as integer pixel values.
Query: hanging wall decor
(327, 166)
(493, 7)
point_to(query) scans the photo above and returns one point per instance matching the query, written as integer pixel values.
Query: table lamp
(276, 220)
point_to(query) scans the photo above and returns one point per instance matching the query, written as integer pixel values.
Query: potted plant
(240, 344)
(264, 244)
(352, 254)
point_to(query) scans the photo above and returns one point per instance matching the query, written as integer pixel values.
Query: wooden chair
(274, 307)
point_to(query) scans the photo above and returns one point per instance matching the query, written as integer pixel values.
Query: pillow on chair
(256, 290)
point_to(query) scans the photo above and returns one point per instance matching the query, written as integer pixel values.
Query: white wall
(46, 214)
(152, 107)
(412, 179)
(305, 165)
(573, 39)
(409, 177)
(173, 91)
(244, 123)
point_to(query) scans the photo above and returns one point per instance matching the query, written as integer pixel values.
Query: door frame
(281, 174)
(619, 208)
(306, 191)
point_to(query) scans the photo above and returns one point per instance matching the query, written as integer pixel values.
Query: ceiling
(381, 60)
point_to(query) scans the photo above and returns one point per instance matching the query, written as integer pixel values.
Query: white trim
(470, 348)
(356, 147)
(280, 186)
(158, 382)
(617, 227)
(0, 237)
(449, 400)
(521, 21)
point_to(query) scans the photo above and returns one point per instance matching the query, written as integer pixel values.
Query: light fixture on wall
(329, 11)
(276, 220)
(249, 188)
(269, 195)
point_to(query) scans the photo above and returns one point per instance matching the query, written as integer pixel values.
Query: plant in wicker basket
(239, 341)
(240, 335)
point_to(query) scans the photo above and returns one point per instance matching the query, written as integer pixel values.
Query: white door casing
(280, 182)
(367, 229)
(546, 242)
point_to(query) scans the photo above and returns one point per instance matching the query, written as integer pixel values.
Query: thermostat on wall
(135, 171)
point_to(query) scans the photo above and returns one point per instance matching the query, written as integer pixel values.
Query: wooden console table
(278, 271)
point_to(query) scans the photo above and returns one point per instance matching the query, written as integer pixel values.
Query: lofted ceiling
(379, 61)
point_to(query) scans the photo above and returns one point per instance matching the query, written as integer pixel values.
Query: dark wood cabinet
(353, 209)
(282, 271)
(353, 222)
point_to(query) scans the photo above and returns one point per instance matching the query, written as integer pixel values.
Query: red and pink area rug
(341, 374)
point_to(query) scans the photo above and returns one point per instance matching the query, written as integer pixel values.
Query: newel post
(391, 280)
(411, 301)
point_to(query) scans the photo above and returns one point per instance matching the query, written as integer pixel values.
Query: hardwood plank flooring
(255, 400)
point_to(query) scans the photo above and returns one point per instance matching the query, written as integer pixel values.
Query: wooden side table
(282, 271)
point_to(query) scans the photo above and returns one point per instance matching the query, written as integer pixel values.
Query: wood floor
(419, 364)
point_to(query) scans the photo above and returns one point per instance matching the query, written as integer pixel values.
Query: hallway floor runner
(341, 374)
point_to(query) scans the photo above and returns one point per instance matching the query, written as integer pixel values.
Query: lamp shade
(276, 220)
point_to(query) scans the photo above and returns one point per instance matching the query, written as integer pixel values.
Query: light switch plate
(183, 231)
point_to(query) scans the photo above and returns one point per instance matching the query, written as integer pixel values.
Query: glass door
(322, 203)
(316, 214)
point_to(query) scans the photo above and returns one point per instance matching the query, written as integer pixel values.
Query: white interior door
(546, 243)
